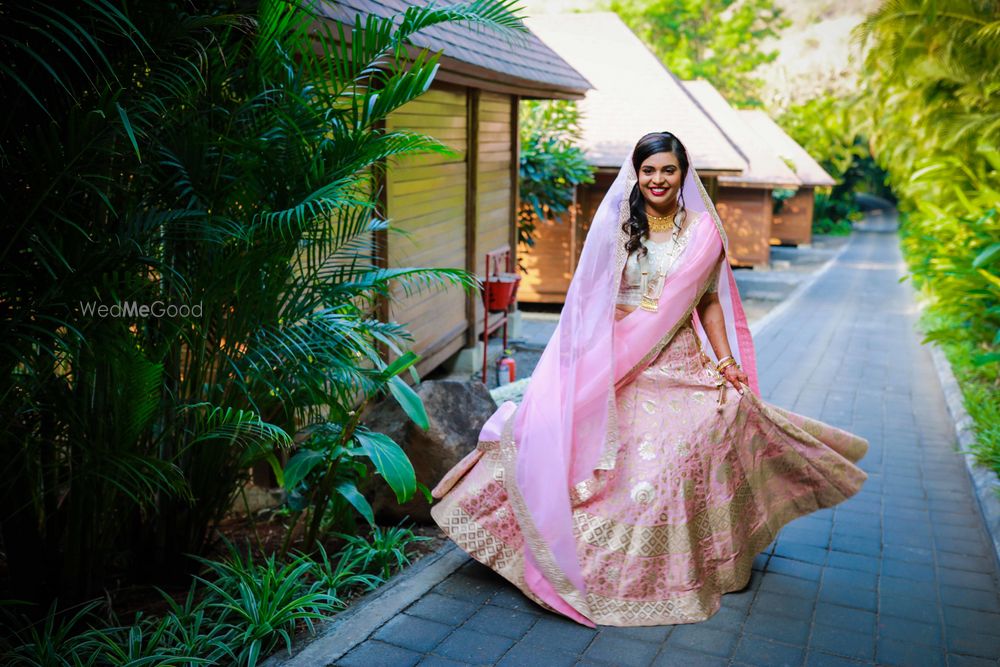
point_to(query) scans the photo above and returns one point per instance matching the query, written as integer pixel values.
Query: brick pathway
(901, 574)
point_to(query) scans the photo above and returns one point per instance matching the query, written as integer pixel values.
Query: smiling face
(660, 181)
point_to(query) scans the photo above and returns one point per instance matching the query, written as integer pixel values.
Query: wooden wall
(451, 210)
(426, 201)
(495, 155)
(549, 264)
(493, 187)
(746, 214)
(792, 225)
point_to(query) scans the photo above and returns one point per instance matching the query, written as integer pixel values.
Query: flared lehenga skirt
(703, 480)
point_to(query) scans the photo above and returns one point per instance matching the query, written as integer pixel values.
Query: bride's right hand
(736, 377)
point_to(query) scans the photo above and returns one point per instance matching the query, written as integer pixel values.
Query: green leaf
(275, 464)
(984, 359)
(986, 256)
(995, 281)
(401, 363)
(253, 655)
(390, 461)
(300, 465)
(240, 427)
(128, 130)
(426, 493)
(409, 401)
(350, 493)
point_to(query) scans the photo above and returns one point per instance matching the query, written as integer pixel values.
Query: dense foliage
(933, 71)
(221, 159)
(551, 164)
(717, 40)
(829, 128)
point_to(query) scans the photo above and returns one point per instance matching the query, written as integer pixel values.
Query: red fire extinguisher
(506, 368)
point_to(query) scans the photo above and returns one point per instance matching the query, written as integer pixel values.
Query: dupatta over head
(565, 430)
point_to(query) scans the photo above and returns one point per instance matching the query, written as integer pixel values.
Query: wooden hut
(633, 93)
(792, 223)
(449, 211)
(744, 201)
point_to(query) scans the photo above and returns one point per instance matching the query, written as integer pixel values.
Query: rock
(510, 392)
(257, 498)
(456, 411)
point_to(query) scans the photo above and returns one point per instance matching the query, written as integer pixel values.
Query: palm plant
(227, 162)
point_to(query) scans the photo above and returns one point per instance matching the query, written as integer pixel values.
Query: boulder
(456, 411)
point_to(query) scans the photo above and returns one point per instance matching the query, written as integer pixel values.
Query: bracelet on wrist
(724, 363)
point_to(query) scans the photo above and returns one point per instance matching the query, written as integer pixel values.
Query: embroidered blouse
(659, 261)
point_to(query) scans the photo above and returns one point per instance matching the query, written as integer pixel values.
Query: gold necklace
(662, 223)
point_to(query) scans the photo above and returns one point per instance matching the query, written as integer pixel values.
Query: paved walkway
(901, 574)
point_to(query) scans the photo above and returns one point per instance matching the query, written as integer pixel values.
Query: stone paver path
(901, 574)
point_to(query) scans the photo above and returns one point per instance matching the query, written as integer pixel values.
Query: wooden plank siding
(549, 263)
(792, 225)
(449, 211)
(426, 202)
(492, 188)
(746, 215)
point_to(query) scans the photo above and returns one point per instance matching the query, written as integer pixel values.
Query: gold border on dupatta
(539, 547)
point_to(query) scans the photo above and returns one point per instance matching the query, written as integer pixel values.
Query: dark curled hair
(637, 226)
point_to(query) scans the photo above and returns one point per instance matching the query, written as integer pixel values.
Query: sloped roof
(764, 166)
(477, 56)
(633, 93)
(806, 168)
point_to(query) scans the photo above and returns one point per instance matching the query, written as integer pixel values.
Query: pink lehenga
(631, 487)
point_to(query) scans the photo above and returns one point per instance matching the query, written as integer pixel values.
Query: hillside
(815, 53)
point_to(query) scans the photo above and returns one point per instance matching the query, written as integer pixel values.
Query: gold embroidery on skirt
(477, 541)
(582, 492)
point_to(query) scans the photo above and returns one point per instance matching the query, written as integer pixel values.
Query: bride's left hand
(736, 377)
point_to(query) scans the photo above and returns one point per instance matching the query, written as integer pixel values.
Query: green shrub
(931, 74)
(345, 572)
(384, 551)
(221, 156)
(551, 164)
(263, 601)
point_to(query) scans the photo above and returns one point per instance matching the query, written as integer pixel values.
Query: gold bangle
(725, 363)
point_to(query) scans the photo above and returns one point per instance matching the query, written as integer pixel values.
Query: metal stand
(498, 262)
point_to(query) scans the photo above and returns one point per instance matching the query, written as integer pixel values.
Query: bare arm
(714, 321)
(712, 318)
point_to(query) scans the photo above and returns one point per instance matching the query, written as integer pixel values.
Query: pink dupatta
(565, 430)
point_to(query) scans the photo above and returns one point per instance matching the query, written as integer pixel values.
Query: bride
(642, 473)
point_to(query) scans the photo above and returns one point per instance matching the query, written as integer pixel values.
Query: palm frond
(242, 428)
(139, 477)
(499, 15)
